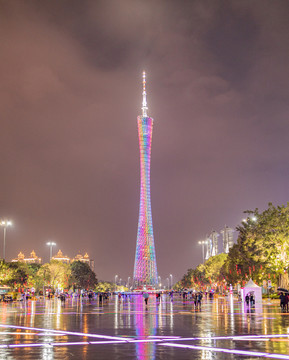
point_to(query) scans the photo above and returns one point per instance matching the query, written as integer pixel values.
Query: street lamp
(203, 242)
(171, 277)
(115, 278)
(5, 224)
(128, 279)
(50, 244)
(168, 281)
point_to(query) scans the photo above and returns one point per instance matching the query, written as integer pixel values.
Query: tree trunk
(283, 281)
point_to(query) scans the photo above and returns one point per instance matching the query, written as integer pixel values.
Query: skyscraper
(145, 266)
(228, 240)
(214, 236)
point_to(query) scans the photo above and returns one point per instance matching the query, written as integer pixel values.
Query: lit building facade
(85, 259)
(145, 267)
(33, 259)
(60, 257)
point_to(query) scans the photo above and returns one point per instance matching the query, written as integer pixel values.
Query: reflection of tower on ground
(145, 321)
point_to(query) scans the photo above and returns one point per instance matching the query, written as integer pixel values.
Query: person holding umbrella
(284, 298)
(146, 297)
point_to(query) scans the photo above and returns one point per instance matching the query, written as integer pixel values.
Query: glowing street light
(5, 224)
(115, 278)
(171, 277)
(168, 283)
(51, 244)
(203, 242)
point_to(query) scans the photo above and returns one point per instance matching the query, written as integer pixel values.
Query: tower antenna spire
(144, 96)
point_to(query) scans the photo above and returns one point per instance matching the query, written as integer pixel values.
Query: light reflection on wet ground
(127, 329)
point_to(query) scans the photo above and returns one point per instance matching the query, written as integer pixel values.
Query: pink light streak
(234, 351)
(161, 340)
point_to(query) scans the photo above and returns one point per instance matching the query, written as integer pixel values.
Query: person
(146, 297)
(287, 301)
(100, 298)
(200, 296)
(195, 298)
(247, 299)
(282, 301)
(252, 300)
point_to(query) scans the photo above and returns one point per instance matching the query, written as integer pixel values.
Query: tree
(104, 286)
(34, 279)
(262, 247)
(55, 274)
(204, 275)
(82, 276)
(18, 274)
(6, 273)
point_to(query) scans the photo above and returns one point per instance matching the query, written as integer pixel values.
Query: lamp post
(115, 278)
(5, 224)
(171, 277)
(50, 244)
(128, 280)
(168, 282)
(203, 242)
(160, 281)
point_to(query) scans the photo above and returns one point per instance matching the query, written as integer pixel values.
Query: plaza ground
(126, 329)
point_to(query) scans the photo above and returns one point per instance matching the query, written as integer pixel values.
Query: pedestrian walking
(252, 300)
(287, 301)
(146, 297)
(200, 296)
(282, 301)
(195, 298)
(247, 299)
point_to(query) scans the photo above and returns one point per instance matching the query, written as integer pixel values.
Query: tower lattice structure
(145, 266)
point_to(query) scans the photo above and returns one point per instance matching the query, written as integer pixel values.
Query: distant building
(215, 248)
(209, 244)
(60, 257)
(84, 258)
(33, 259)
(228, 240)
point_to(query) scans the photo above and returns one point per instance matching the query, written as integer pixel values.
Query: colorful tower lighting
(145, 266)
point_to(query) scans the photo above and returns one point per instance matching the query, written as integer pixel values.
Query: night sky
(70, 93)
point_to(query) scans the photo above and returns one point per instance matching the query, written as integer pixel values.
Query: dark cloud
(69, 95)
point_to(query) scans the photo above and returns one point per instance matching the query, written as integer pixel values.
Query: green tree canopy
(262, 247)
(82, 275)
(207, 274)
(55, 274)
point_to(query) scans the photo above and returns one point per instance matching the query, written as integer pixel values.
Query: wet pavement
(127, 329)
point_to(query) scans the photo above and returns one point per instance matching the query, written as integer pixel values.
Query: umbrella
(283, 290)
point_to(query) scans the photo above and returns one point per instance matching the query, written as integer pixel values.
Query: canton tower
(145, 266)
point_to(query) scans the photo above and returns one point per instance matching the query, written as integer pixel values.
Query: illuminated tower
(145, 266)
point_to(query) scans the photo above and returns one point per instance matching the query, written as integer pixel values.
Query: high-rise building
(228, 240)
(209, 244)
(214, 236)
(145, 266)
